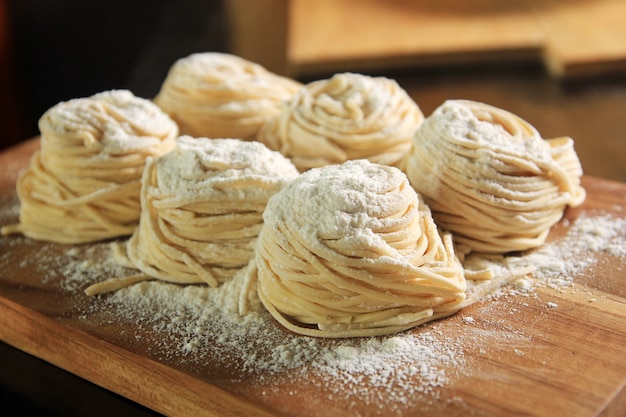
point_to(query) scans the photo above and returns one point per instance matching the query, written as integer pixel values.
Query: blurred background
(559, 64)
(62, 49)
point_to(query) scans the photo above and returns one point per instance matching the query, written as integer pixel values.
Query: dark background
(64, 49)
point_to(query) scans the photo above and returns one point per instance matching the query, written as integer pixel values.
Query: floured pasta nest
(350, 250)
(83, 185)
(349, 116)
(218, 95)
(490, 178)
(202, 208)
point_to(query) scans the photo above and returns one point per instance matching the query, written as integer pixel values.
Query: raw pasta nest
(218, 95)
(83, 185)
(349, 116)
(490, 178)
(350, 250)
(202, 207)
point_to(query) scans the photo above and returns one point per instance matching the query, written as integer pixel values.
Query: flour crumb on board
(586, 237)
(557, 264)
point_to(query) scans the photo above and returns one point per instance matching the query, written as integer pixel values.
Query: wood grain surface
(556, 353)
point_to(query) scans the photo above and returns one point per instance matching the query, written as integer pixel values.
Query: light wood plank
(583, 38)
(302, 37)
(342, 29)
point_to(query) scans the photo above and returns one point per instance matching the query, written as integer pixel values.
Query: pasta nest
(83, 184)
(490, 178)
(219, 95)
(350, 250)
(349, 116)
(202, 207)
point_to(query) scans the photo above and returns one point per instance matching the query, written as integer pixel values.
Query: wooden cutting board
(554, 352)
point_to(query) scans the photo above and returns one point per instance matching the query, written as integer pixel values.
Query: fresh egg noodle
(83, 184)
(202, 209)
(489, 177)
(350, 250)
(348, 116)
(219, 95)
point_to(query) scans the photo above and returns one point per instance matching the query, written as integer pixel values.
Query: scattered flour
(559, 263)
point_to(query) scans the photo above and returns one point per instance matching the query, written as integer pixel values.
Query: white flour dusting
(559, 263)
(586, 237)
